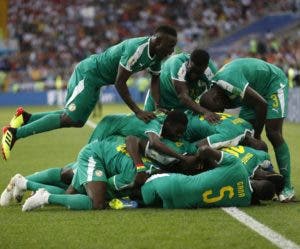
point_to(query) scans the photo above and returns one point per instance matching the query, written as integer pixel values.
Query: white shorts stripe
(91, 167)
(280, 94)
(77, 90)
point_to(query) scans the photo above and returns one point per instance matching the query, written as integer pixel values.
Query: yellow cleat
(20, 118)
(123, 203)
(8, 140)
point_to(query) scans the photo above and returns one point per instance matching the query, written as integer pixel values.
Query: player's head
(271, 176)
(215, 99)
(163, 41)
(174, 125)
(197, 64)
(262, 190)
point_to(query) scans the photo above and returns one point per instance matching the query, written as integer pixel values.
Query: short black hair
(166, 29)
(176, 116)
(200, 57)
(263, 189)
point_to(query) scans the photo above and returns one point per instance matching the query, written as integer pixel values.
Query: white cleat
(14, 190)
(37, 200)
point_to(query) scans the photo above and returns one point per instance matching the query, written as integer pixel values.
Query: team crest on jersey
(98, 173)
(72, 107)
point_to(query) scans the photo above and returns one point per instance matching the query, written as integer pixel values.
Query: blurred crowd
(50, 36)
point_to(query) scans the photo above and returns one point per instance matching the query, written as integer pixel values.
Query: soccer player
(183, 78)
(113, 66)
(251, 158)
(261, 89)
(230, 131)
(61, 177)
(225, 186)
(101, 167)
(170, 126)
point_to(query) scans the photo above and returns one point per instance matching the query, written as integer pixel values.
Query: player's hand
(145, 115)
(211, 117)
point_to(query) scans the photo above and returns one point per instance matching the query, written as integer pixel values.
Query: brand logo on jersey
(98, 173)
(72, 107)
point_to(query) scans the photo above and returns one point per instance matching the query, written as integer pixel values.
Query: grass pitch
(56, 227)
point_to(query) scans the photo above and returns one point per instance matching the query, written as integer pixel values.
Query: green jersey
(107, 161)
(102, 69)
(175, 68)
(224, 186)
(228, 132)
(250, 158)
(126, 124)
(132, 54)
(181, 147)
(261, 76)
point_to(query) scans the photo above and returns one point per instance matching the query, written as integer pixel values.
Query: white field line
(274, 237)
(264, 231)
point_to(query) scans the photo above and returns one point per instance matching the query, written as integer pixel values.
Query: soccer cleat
(14, 190)
(20, 118)
(123, 203)
(7, 194)
(8, 141)
(37, 200)
(19, 189)
(287, 194)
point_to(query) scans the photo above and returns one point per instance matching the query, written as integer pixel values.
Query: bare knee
(98, 205)
(96, 191)
(66, 175)
(66, 121)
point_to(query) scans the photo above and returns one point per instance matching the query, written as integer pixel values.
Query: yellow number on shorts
(207, 193)
(275, 103)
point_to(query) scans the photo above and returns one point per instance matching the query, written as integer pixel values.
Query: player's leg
(282, 153)
(18, 185)
(49, 176)
(277, 109)
(93, 199)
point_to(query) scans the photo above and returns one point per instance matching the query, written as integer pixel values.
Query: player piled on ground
(261, 89)
(113, 66)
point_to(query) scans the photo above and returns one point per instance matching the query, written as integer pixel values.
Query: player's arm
(135, 149)
(155, 90)
(156, 144)
(259, 104)
(183, 95)
(121, 86)
(206, 152)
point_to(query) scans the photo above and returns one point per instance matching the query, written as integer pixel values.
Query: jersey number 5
(208, 199)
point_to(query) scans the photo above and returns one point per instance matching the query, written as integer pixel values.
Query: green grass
(56, 227)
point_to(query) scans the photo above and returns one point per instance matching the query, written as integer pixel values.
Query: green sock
(282, 154)
(36, 116)
(49, 176)
(46, 123)
(33, 186)
(75, 202)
